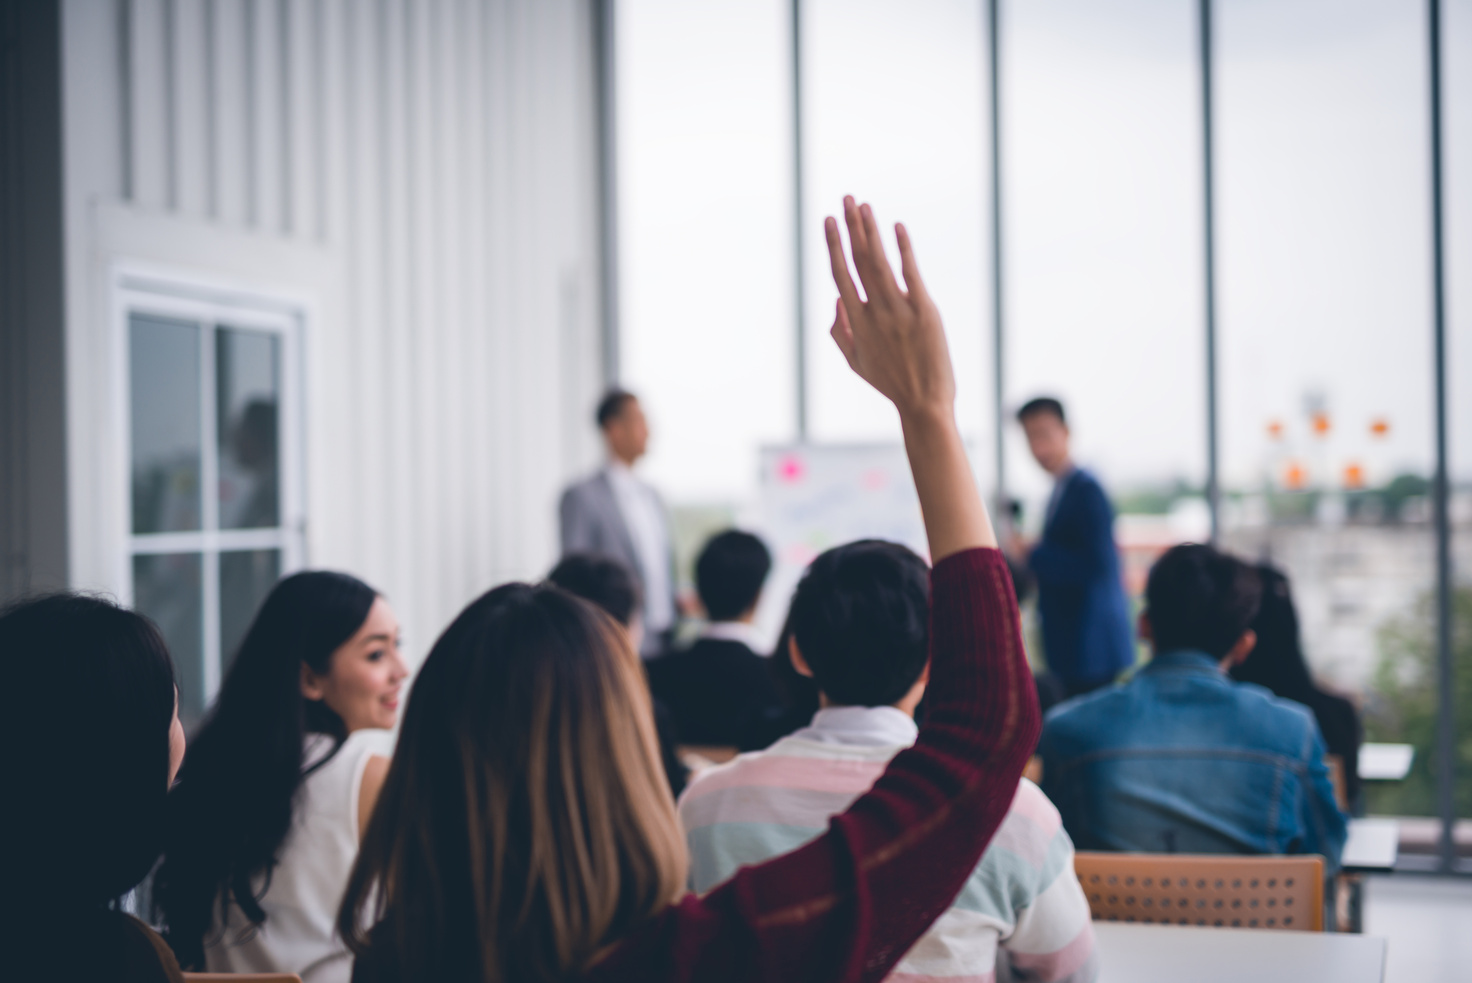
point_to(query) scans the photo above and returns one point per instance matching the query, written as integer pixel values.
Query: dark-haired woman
(85, 791)
(279, 782)
(1277, 662)
(525, 833)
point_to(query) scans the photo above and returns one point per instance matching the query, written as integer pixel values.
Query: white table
(1386, 762)
(1180, 953)
(1372, 846)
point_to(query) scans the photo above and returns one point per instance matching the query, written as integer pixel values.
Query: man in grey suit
(615, 514)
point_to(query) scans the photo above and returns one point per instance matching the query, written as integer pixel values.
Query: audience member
(524, 833)
(279, 784)
(1181, 759)
(1277, 662)
(859, 619)
(719, 689)
(86, 784)
(608, 584)
(1081, 604)
(614, 513)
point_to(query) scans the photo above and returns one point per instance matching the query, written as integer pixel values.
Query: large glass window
(1103, 257)
(211, 481)
(1327, 430)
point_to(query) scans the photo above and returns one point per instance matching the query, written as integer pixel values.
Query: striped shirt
(1021, 914)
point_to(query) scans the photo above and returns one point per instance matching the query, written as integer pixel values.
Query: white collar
(861, 727)
(732, 631)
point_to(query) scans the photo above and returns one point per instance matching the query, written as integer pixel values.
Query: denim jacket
(1181, 759)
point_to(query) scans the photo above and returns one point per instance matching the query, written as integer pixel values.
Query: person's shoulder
(1287, 720)
(1082, 711)
(583, 487)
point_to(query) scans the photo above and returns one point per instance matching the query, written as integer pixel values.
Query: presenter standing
(1087, 637)
(613, 513)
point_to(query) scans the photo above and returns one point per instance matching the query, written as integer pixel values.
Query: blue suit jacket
(1087, 635)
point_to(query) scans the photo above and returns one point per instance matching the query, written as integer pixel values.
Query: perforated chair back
(242, 978)
(1196, 889)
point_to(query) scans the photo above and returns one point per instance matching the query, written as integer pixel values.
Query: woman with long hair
(1278, 663)
(525, 832)
(86, 790)
(279, 782)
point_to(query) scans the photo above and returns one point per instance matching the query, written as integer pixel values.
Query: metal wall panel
(442, 156)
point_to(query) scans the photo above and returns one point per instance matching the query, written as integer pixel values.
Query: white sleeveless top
(300, 932)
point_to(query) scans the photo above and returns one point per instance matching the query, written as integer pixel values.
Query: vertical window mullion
(210, 510)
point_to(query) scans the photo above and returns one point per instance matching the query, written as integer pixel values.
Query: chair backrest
(242, 978)
(1196, 889)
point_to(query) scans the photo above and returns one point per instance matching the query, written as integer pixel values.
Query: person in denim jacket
(1182, 759)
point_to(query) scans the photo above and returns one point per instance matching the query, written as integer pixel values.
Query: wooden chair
(242, 978)
(1195, 889)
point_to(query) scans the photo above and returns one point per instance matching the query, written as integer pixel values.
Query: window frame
(211, 307)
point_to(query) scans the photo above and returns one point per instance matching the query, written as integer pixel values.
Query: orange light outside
(1380, 426)
(1354, 476)
(1275, 429)
(1295, 477)
(1321, 424)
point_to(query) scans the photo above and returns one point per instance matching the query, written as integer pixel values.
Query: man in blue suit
(1087, 636)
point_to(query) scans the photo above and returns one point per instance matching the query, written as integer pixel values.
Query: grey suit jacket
(590, 522)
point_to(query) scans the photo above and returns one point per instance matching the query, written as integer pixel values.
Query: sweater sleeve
(847, 906)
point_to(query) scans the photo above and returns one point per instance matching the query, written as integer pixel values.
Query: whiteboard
(814, 497)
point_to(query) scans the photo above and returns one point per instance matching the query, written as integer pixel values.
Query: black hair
(860, 619)
(729, 573)
(87, 786)
(611, 405)
(233, 807)
(1042, 404)
(602, 580)
(1200, 598)
(1277, 660)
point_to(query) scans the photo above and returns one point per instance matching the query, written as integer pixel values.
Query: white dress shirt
(644, 517)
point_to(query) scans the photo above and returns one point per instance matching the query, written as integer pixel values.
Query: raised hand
(894, 339)
(895, 342)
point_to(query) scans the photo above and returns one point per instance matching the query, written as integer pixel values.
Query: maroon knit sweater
(847, 906)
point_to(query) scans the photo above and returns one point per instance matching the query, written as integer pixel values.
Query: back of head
(525, 821)
(233, 807)
(729, 574)
(860, 617)
(1201, 599)
(86, 768)
(602, 580)
(1277, 660)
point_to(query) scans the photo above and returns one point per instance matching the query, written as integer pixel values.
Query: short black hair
(729, 573)
(860, 617)
(1042, 404)
(611, 405)
(1198, 597)
(602, 580)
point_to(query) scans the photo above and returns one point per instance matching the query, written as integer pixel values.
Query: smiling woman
(276, 788)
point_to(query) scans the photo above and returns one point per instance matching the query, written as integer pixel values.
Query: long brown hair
(525, 824)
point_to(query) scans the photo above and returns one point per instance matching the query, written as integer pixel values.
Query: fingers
(883, 273)
(847, 292)
(843, 334)
(862, 245)
(908, 266)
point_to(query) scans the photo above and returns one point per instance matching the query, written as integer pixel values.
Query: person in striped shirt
(859, 629)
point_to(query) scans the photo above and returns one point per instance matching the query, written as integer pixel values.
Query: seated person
(608, 584)
(859, 630)
(719, 687)
(1181, 759)
(94, 744)
(1277, 662)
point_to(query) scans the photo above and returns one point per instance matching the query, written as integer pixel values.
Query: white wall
(419, 177)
